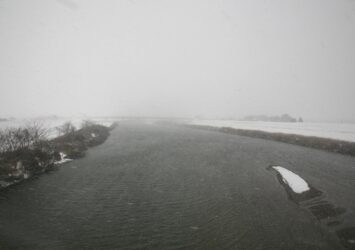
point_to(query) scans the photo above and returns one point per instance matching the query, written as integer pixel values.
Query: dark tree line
(12, 139)
(34, 134)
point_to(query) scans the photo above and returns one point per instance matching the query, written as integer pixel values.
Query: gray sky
(215, 58)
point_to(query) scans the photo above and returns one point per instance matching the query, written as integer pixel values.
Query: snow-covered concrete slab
(63, 158)
(294, 181)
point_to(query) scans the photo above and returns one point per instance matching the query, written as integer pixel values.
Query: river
(160, 187)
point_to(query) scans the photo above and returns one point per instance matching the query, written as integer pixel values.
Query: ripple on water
(315, 202)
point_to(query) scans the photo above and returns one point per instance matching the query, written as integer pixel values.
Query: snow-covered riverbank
(338, 131)
(22, 163)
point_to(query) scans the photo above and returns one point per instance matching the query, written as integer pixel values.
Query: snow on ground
(340, 131)
(294, 181)
(63, 159)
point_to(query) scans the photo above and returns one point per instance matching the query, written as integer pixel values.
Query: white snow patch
(62, 158)
(295, 182)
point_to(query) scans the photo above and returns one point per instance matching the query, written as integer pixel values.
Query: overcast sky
(212, 58)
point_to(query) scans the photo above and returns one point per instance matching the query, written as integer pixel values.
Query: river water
(152, 187)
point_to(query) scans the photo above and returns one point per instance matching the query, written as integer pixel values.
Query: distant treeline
(265, 118)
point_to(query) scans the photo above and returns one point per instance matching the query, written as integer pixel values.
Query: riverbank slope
(20, 165)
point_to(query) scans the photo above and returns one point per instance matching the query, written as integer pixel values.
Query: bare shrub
(88, 123)
(38, 131)
(66, 128)
(12, 139)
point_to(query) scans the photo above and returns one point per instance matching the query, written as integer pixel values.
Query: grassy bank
(36, 158)
(330, 145)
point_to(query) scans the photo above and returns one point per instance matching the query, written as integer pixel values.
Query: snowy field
(340, 131)
(52, 123)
